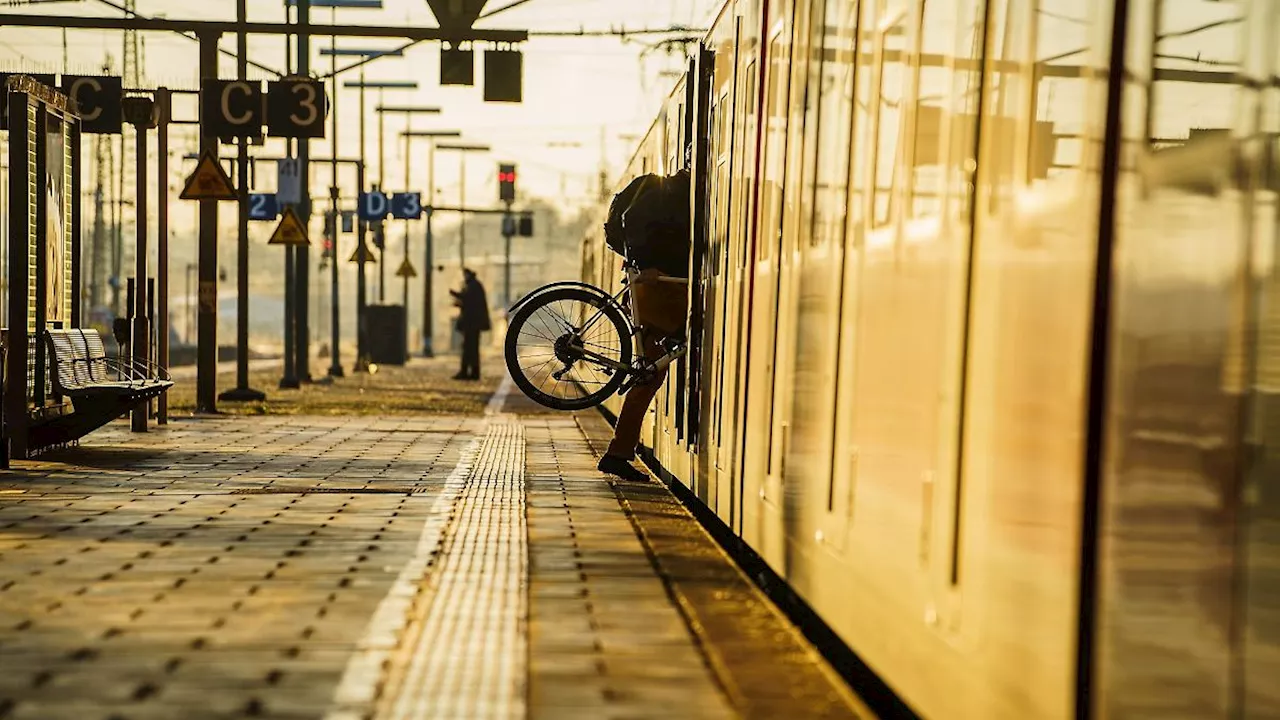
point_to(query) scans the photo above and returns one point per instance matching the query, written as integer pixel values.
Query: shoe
(613, 465)
(460, 376)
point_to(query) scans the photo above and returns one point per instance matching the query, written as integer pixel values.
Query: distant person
(473, 319)
(649, 223)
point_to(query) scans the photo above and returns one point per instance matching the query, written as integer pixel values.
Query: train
(985, 340)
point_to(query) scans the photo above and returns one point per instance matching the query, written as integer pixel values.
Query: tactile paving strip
(465, 657)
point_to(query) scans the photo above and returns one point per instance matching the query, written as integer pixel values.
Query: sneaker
(613, 465)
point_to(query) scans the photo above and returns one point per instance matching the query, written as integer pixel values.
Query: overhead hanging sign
(290, 231)
(209, 181)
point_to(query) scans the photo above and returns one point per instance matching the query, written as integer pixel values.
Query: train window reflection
(933, 116)
(889, 122)
(835, 111)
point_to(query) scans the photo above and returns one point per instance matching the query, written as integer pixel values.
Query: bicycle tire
(611, 314)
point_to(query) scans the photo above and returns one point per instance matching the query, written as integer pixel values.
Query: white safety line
(357, 691)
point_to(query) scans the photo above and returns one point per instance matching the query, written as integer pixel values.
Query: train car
(986, 340)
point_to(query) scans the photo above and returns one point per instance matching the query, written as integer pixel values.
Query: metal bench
(81, 370)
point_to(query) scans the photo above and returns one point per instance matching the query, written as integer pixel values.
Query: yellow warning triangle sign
(406, 270)
(290, 231)
(363, 251)
(209, 181)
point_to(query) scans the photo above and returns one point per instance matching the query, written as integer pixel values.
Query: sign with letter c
(231, 108)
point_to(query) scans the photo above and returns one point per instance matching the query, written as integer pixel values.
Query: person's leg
(626, 432)
(463, 369)
(474, 363)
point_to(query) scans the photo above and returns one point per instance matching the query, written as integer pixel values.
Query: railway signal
(507, 182)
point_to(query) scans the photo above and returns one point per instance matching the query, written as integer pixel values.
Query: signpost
(290, 231)
(264, 206)
(296, 108)
(406, 206)
(231, 108)
(209, 181)
(288, 182)
(373, 206)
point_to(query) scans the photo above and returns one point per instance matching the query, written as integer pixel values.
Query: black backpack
(622, 202)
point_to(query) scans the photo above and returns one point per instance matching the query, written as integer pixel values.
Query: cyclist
(649, 223)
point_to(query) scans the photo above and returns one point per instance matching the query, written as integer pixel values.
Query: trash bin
(387, 334)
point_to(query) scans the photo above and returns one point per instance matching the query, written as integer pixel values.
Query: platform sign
(348, 221)
(209, 181)
(288, 181)
(264, 206)
(290, 231)
(406, 206)
(296, 108)
(231, 108)
(97, 100)
(373, 206)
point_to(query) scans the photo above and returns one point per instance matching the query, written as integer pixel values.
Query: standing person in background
(473, 319)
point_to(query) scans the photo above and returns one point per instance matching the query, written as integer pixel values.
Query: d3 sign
(374, 206)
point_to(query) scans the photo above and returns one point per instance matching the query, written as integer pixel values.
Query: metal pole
(462, 202)
(242, 391)
(164, 104)
(382, 224)
(362, 228)
(335, 315)
(141, 329)
(428, 270)
(302, 253)
(289, 378)
(405, 301)
(507, 221)
(207, 332)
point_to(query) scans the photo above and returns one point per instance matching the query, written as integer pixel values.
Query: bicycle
(569, 345)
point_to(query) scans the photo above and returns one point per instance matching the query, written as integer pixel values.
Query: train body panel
(1013, 487)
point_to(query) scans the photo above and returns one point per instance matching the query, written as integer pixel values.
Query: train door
(713, 401)
(742, 231)
(762, 514)
(801, 159)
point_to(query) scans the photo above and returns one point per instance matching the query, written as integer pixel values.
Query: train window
(933, 108)
(835, 116)
(962, 165)
(893, 74)
(1006, 116)
(778, 86)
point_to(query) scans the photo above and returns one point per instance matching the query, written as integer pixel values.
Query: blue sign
(373, 206)
(406, 206)
(263, 206)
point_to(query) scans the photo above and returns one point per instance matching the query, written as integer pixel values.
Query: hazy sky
(573, 87)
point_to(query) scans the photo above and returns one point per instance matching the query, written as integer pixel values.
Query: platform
(465, 565)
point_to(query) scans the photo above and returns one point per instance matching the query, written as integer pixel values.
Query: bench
(81, 369)
(100, 388)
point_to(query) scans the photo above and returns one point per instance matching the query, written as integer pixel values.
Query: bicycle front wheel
(568, 348)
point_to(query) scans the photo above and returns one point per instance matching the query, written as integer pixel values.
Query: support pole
(335, 315)
(362, 229)
(302, 253)
(508, 221)
(164, 108)
(428, 268)
(141, 328)
(405, 300)
(207, 330)
(242, 391)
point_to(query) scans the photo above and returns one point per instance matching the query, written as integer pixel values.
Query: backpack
(622, 202)
(657, 226)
